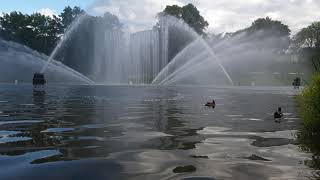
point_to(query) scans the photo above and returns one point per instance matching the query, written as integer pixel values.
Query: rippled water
(115, 132)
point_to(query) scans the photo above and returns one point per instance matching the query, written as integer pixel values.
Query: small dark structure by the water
(38, 82)
(296, 83)
(38, 79)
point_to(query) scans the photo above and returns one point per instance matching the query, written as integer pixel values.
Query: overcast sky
(222, 15)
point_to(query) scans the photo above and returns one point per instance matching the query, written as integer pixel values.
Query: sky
(222, 15)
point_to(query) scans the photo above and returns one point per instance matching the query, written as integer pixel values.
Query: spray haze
(102, 50)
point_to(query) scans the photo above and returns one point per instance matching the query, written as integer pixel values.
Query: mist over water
(129, 58)
(143, 57)
(64, 38)
(172, 53)
(20, 62)
(154, 129)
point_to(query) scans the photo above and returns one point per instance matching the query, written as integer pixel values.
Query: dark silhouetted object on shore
(296, 83)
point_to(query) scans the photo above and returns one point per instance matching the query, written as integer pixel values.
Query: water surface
(138, 132)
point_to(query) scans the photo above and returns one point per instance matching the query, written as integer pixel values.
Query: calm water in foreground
(117, 132)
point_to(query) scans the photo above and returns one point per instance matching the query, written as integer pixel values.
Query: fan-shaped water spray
(176, 67)
(145, 57)
(139, 58)
(19, 62)
(60, 44)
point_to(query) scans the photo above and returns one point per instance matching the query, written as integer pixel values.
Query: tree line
(37, 31)
(42, 33)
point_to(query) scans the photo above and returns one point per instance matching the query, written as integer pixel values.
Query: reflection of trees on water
(93, 120)
(309, 142)
(64, 110)
(168, 116)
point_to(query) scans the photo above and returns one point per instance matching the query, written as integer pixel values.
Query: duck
(278, 114)
(211, 104)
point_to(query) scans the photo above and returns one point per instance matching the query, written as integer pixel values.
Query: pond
(149, 132)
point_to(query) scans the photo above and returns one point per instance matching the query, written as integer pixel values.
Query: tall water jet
(19, 63)
(74, 25)
(171, 66)
(121, 57)
(64, 38)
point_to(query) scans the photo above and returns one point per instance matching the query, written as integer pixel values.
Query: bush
(308, 136)
(309, 102)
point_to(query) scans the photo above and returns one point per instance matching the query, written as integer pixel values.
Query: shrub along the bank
(309, 134)
(309, 102)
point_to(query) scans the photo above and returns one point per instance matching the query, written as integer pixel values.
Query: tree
(69, 15)
(178, 37)
(13, 26)
(190, 15)
(266, 33)
(307, 44)
(90, 37)
(37, 31)
(309, 36)
(173, 10)
(273, 27)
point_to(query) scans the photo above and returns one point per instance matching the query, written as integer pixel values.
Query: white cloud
(47, 12)
(136, 15)
(222, 15)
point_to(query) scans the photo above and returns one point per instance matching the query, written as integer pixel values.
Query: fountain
(64, 38)
(142, 57)
(19, 63)
(146, 57)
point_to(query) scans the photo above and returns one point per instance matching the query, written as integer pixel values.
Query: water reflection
(309, 142)
(149, 132)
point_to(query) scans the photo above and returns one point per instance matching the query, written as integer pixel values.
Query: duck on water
(278, 115)
(211, 104)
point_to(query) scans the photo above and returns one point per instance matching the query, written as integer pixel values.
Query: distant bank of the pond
(308, 136)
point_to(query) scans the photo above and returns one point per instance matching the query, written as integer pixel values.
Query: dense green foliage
(190, 14)
(36, 31)
(42, 33)
(69, 15)
(178, 38)
(309, 36)
(310, 105)
(81, 46)
(265, 29)
(306, 43)
(309, 134)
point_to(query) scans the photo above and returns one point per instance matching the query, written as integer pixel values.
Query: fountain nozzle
(38, 79)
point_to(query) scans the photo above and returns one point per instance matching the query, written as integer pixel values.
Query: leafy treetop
(190, 14)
